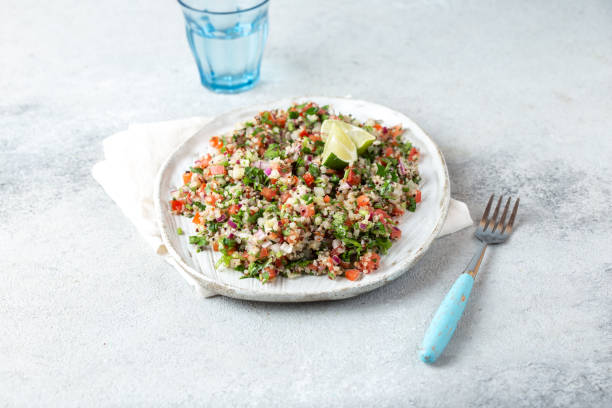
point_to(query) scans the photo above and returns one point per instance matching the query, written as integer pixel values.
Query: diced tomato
(307, 210)
(304, 133)
(202, 188)
(217, 170)
(376, 259)
(212, 198)
(268, 193)
(417, 196)
(327, 199)
(231, 251)
(396, 130)
(413, 155)
(285, 196)
(273, 236)
(352, 274)
(205, 160)
(271, 272)
(215, 246)
(369, 262)
(196, 219)
(389, 152)
(397, 211)
(396, 233)
(186, 177)
(353, 178)
(284, 221)
(315, 137)
(233, 209)
(278, 263)
(377, 126)
(216, 142)
(264, 253)
(363, 200)
(176, 205)
(308, 179)
(382, 215)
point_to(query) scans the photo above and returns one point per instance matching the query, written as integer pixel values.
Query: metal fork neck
(474, 265)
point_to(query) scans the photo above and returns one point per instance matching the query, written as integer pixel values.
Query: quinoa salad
(274, 202)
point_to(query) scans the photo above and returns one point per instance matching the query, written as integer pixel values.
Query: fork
(490, 231)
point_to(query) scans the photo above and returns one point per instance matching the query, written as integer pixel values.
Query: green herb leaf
(200, 205)
(405, 147)
(272, 152)
(312, 110)
(212, 226)
(319, 145)
(198, 240)
(254, 177)
(382, 244)
(253, 218)
(411, 204)
(225, 260)
(314, 170)
(307, 198)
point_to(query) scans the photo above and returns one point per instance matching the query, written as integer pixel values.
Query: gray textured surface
(517, 94)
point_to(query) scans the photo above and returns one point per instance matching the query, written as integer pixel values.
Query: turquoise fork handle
(446, 318)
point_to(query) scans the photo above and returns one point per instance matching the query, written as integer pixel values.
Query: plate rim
(331, 294)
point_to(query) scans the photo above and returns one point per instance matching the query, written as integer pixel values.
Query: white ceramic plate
(418, 228)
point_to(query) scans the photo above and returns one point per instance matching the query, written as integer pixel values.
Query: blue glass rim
(182, 3)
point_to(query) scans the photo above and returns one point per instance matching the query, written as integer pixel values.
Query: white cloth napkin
(132, 159)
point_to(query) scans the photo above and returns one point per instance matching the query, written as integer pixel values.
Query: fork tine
(500, 224)
(483, 221)
(508, 228)
(494, 216)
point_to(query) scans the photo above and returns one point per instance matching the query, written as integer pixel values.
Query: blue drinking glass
(227, 39)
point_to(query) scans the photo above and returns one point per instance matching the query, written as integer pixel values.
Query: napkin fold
(132, 159)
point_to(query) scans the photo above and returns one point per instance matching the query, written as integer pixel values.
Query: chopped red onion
(268, 171)
(231, 236)
(336, 259)
(222, 218)
(232, 224)
(370, 217)
(401, 168)
(363, 226)
(385, 130)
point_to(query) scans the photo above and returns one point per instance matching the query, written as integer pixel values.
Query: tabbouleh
(266, 202)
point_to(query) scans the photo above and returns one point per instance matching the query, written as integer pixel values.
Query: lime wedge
(339, 150)
(361, 138)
